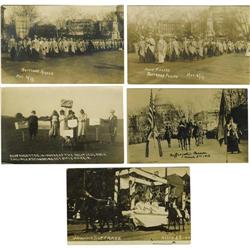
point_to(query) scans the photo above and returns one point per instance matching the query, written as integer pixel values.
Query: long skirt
(54, 130)
(161, 57)
(150, 57)
(35, 54)
(13, 53)
(232, 144)
(81, 129)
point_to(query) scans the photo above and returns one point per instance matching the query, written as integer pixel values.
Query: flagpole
(153, 130)
(222, 133)
(226, 155)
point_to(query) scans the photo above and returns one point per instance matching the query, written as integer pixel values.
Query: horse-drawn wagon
(141, 200)
(143, 196)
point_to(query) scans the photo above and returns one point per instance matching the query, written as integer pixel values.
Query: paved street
(100, 67)
(209, 152)
(225, 69)
(76, 233)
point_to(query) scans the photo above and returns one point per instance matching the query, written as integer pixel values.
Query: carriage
(132, 185)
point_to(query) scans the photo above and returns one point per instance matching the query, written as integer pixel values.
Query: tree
(236, 22)
(24, 10)
(235, 97)
(46, 30)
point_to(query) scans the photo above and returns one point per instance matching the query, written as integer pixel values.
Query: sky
(148, 14)
(50, 14)
(178, 170)
(198, 99)
(96, 101)
(156, 13)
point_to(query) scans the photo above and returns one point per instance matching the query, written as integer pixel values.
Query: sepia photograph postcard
(129, 205)
(62, 125)
(189, 44)
(62, 44)
(187, 125)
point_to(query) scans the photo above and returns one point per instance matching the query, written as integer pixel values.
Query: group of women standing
(42, 47)
(62, 123)
(192, 48)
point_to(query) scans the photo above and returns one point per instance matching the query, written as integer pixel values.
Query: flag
(151, 113)
(153, 132)
(222, 119)
(66, 103)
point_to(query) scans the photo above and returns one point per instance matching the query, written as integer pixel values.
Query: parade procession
(197, 125)
(40, 47)
(40, 43)
(125, 202)
(182, 44)
(124, 123)
(177, 38)
(152, 50)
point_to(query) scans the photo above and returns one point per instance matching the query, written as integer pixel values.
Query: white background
(33, 197)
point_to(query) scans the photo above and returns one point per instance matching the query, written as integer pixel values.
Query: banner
(66, 103)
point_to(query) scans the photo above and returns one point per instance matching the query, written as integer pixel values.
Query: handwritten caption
(160, 73)
(190, 155)
(55, 157)
(176, 237)
(97, 238)
(25, 74)
(165, 73)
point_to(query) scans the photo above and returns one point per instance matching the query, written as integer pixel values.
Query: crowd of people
(184, 129)
(70, 127)
(42, 47)
(151, 50)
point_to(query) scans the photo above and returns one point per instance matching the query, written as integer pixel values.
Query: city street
(76, 233)
(99, 67)
(209, 152)
(225, 69)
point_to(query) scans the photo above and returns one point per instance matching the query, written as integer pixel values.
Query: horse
(173, 217)
(109, 213)
(99, 213)
(189, 134)
(88, 211)
(168, 135)
(182, 137)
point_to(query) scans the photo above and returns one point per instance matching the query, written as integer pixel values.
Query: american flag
(151, 113)
(153, 130)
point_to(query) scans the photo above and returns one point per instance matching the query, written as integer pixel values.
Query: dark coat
(33, 123)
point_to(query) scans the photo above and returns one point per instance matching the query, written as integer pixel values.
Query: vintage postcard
(129, 206)
(62, 125)
(187, 125)
(62, 44)
(189, 44)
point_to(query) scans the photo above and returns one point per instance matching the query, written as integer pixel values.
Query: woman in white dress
(141, 48)
(161, 49)
(82, 124)
(54, 119)
(63, 123)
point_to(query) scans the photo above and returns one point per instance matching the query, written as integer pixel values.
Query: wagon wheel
(131, 225)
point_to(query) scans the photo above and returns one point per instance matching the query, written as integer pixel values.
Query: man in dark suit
(33, 125)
